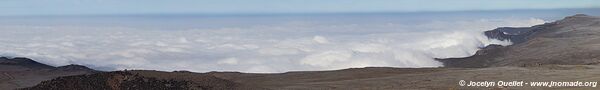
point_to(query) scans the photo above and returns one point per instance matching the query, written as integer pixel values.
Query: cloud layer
(275, 47)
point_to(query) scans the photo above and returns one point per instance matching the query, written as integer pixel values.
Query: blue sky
(93, 7)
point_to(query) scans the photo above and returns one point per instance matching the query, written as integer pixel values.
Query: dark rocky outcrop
(516, 35)
(118, 80)
(140, 80)
(74, 67)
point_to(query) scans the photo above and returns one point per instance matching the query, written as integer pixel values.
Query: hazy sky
(78, 7)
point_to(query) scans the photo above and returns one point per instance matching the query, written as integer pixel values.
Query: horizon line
(288, 13)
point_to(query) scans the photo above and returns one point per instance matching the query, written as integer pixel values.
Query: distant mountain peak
(74, 67)
(25, 62)
(579, 15)
(577, 18)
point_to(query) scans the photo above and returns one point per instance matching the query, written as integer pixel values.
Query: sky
(103, 7)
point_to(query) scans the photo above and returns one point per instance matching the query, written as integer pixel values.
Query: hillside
(24, 72)
(575, 40)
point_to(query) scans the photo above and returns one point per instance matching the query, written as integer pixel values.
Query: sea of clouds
(278, 46)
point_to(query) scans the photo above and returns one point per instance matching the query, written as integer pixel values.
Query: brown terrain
(565, 50)
(23, 72)
(574, 40)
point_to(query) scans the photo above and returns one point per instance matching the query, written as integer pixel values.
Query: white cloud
(229, 61)
(327, 58)
(370, 48)
(278, 51)
(272, 47)
(320, 39)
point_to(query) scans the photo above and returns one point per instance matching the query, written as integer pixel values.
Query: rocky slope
(24, 72)
(371, 78)
(111, 80)
(574, 40)
(141, 80)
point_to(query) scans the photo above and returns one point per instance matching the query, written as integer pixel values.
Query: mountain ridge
(570, 41)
